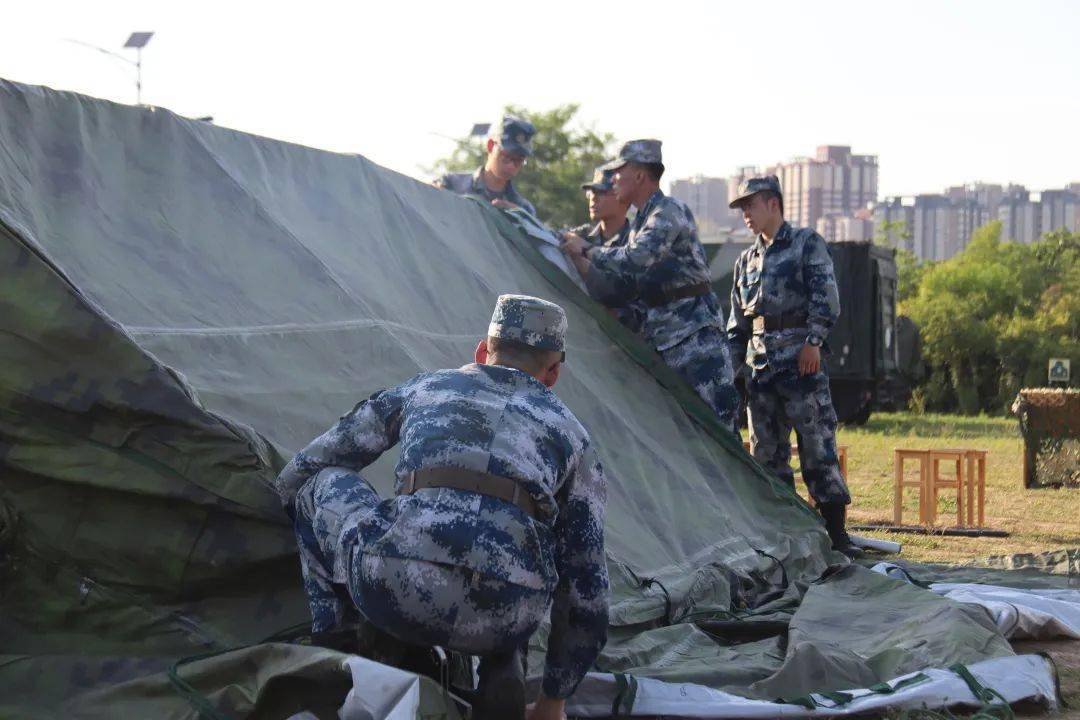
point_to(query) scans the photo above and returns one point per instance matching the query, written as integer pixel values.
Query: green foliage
(565, 155)
(992, 316)
(909, 268)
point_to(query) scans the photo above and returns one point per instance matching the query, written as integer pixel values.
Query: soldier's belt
(495, 486)
(657, 298)
(773, 323)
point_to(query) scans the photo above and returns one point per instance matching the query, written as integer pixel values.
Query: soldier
(663, 266)
(612, 229)
(509, 145)
(498, 513)
(784, 300)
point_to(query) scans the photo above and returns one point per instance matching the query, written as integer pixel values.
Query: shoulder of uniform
(806, 233)
(454, 181)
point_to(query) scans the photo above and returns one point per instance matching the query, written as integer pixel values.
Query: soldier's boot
(835, 516)
(500, 690)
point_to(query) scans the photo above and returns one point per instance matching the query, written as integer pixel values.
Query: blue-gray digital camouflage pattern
(703, 360)
(663, 253)
(781, 400)
(529, 320)
(792, 275)
(647, 152)
(514, 134)
(631, 315)
(466, 184)
(752, 186)
(488, 418)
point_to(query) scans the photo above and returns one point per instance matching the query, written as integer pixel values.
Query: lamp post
(138, 41)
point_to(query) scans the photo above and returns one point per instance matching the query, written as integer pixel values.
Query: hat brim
(597, 186)
(742, 198)
(516, 149)
(613, 164)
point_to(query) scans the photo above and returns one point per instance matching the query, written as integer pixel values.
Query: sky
(942, 92)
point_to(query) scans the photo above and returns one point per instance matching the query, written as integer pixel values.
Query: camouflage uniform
(449, 567)
(513, 135)
(793, 275)
(633, 314)
(466, 184)
(662, 254)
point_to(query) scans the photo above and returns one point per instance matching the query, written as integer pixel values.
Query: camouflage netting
(1050, 424)
(184, 306)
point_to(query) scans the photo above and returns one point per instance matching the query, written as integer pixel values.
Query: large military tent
(183, 306)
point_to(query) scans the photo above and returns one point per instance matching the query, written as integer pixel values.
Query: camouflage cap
(754, 185)
(514, 135)
(646, 152)
(529, 320)
(602, 181)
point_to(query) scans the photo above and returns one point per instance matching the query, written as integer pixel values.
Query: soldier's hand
(809, 359)
(504, 204)
(573, 244)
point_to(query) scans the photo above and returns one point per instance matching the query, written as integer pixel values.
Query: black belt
(495, 486)
(657, 298)
(773, 323)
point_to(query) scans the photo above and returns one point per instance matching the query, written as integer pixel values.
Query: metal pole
(138, 77)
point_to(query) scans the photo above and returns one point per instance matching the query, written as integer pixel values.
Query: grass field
(1037, 520)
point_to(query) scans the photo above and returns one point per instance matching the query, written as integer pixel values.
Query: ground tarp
(184, 306)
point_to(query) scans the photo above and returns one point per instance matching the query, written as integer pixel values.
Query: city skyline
(950, 93)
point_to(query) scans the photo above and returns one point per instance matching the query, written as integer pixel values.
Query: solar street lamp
(138, 41)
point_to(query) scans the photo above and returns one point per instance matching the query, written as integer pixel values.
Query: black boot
(835, 516)
(500, 691)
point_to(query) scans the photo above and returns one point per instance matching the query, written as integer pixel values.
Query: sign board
(1058, 371)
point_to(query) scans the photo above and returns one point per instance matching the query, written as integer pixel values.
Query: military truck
(868, 368)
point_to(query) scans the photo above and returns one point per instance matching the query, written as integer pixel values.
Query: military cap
(529, 320)
(602, 181)
(514, 135)
(646, 152)
(754, 185)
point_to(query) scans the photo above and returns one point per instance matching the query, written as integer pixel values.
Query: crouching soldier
(498, 514)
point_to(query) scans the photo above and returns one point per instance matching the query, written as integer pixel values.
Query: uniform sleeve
(526, 205)
(579, 610)
(823, 297)
(354, 442)
(738, 326)
(617, 275)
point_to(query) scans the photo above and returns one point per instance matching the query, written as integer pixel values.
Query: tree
(909, 269)
(991, 316)
(564, 156)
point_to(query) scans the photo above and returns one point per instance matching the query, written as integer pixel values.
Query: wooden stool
(956, 459)
(899, 483)
(968, 474)
(976, 482)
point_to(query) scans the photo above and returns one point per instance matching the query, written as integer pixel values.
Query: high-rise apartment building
(940, 226)
(897, 216)
(707, 199)
(833, 181)
(1059, 209)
